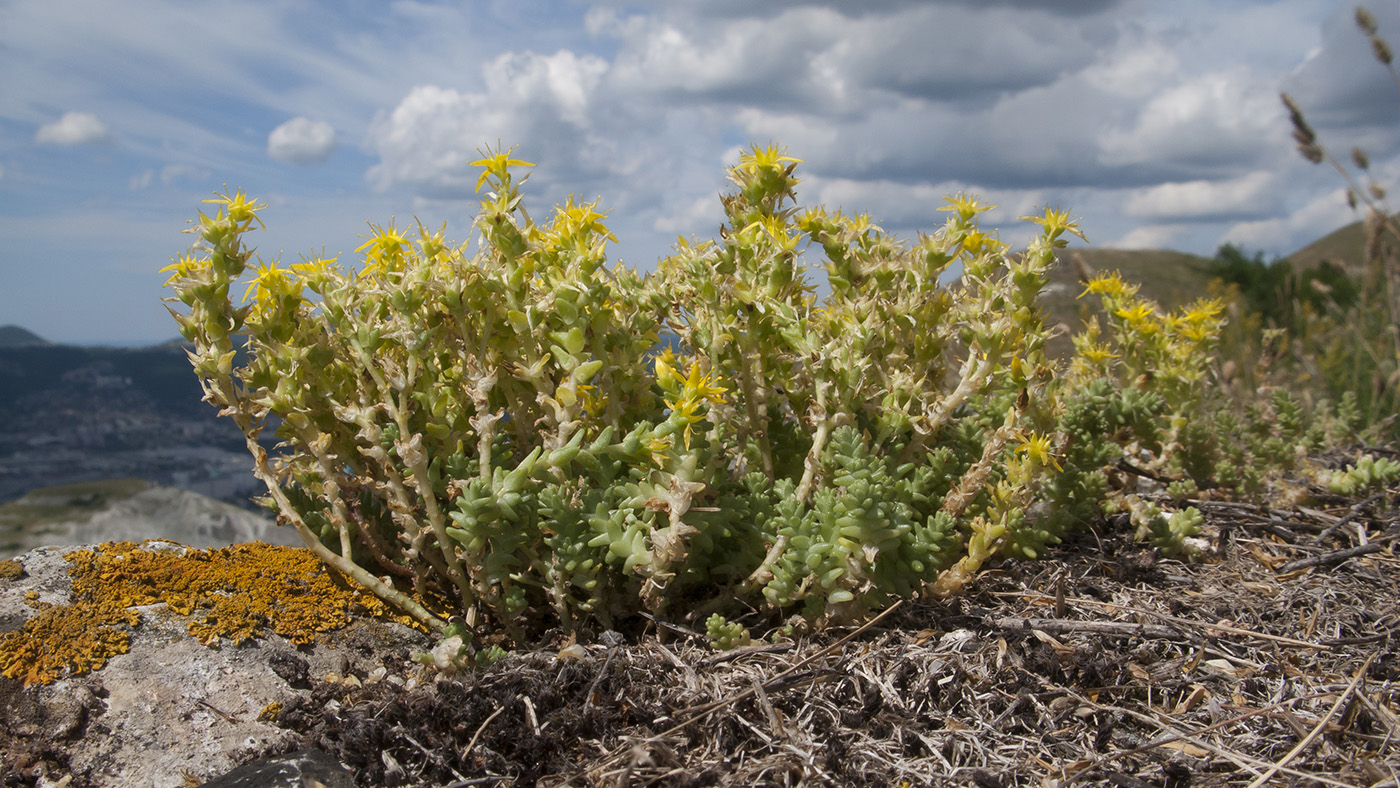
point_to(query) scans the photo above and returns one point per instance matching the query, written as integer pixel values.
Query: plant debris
(1101, 664)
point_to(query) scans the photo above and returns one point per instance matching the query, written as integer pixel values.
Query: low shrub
(500, 433)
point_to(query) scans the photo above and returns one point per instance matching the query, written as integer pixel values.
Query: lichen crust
(231, 594)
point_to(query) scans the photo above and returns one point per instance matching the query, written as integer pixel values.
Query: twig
(1119, 628)
(1178, 621)
(1172, 737)
(1241, 760)
(1317, 730)
(603, 671)
(399, 731)
(227, 717)
(1125, 465)
(1348, 517)
(481, 728)
(704, 710)
(1335, 557)
(744, 651)
(679, 630)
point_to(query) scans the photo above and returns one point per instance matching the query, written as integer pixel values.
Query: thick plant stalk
(340, 563)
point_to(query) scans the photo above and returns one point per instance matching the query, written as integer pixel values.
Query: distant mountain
(66, 376)
(14, 336)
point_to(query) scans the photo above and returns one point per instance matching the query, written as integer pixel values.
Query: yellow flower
(764, 158)
(1098, 353)
(975, 242)
(701, 386)
(385, 250)
(186, 265)
(658, 446)
(1110, 284)
(1138, 315)
(271, 286)
(966, 205)
(665, 371)
(594, 403)
(241, 210)
(1036, 448)
(575, 219)
(497, 164)
(1056, 223)
(314, 269)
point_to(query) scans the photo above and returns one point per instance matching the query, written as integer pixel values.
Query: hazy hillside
(1170, 278)
(135, 509)
(14, 336)
(157, 378)
(1345, 246)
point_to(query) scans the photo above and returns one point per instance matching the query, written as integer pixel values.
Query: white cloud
(301, 141)
(173, 172)
(540, 103)
(1255, 194)
(1212, 122)
(168, 175)
(74, 128)
(689, 215)
(1283, 234)
(1155, 236)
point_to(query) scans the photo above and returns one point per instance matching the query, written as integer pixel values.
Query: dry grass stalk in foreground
(1092, 667)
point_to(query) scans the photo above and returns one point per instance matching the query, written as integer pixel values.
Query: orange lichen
(11, 570)
(77, 638)
(235, 593)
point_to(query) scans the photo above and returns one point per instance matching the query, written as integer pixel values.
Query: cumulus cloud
(301, 141)
(826, 60)
(74, 128)
(891, 104)
(538, 102)
(1317, 217)
(1249, 196)
(1208, 124)
(690, 214)
(1152, 236)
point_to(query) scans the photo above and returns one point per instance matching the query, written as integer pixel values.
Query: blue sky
(1158, 124)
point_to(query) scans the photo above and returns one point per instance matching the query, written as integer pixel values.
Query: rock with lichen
(159, 665)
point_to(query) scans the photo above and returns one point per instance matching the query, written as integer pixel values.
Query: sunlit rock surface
(129, 509)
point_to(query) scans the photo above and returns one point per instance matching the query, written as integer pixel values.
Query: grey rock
(155, 513)
(300, 769)
(172, 707)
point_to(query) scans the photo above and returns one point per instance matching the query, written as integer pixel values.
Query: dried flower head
(1365, 21)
